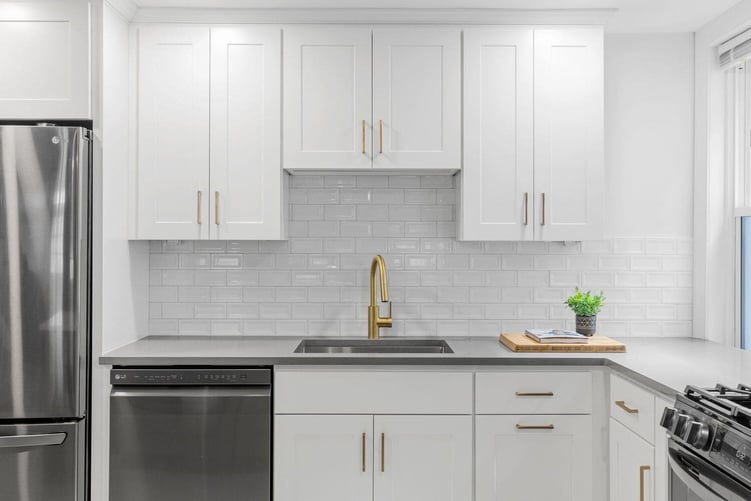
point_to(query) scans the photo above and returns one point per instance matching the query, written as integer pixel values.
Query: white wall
(649, 135)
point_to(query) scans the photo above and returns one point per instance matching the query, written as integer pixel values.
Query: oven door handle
(693, 483)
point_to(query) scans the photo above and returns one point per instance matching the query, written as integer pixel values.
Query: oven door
(692, 478)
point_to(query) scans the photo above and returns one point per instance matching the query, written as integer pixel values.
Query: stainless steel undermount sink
(373, 346)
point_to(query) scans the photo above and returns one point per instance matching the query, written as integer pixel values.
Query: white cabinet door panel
(44, 56)
(173, 133)
(515, 464)
(417, 98)
(246, 172)
(321, 458)
(568, 122)
(497, 180)
(327, 96)
(631, 465)
(423, 458)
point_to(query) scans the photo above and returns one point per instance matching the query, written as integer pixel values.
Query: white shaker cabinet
(327, 97)
(423, 458)
(569, 133)
(533, 457)
(533, 132)
(45, 59)
(359, 98)
(208, 134)
(173, 133)
(323, 458)
(631, 465)
(497, 182)
(417, 98)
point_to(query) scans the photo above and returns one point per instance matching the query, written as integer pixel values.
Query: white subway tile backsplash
(316, 283)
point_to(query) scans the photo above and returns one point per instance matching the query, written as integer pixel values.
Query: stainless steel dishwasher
(190, 434)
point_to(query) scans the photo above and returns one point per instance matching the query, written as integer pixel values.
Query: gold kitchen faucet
(375, 321)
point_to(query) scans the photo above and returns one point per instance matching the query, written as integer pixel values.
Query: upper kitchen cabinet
(44, 45)
(533, 132)
(208, 133)
(356, 98)
(417, 98)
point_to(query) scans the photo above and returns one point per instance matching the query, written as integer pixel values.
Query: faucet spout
(375, 320)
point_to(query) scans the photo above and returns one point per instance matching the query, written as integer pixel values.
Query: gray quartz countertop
(665, 364)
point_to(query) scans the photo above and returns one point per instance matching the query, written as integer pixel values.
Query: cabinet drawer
(633, 406)
(534, 393)
(328, 391)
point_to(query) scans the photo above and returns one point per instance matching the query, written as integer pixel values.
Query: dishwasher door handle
(190, 392)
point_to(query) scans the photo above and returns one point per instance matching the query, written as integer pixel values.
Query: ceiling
(622, 15)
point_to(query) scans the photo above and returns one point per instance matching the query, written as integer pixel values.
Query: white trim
(742, 212)
(124, 8)
(734, 42)
(377, 16)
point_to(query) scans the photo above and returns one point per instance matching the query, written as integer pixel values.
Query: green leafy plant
(585, 304)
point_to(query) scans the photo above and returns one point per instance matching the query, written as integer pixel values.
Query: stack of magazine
(549, 336)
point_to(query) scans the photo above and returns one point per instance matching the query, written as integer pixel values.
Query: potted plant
(586, 306)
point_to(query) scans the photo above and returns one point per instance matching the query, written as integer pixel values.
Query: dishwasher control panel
(189, 377)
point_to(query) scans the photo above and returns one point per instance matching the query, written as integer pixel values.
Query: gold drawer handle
(363, 452)
(383, 452)
(642, 469)
(535, 427)
(526, 208)
(535, 394)
(622, 405)
(363, 137)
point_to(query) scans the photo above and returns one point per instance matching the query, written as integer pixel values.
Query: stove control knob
(680, 423)
(668, 417)
(697, 435)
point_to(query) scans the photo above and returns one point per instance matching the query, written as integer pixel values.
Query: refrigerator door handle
(7, 442)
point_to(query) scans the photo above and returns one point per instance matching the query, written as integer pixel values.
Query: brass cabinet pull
(622, 405)
(216, 208)
(542, 221)
(380, 137)
(526, 208)
(642, 469)
(363, 452)
(535, 427)
(363, 137)
(199, 196)
(383, 452)
(535, 394)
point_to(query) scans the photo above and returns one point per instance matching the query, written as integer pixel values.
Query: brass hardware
(642, 469)
(363, 137)
(380, 137)
(542, 222)
(533, 394)
(622, 405)
(363, 452)
(383, 452)
(199, 196)
(375, 320)
(535, 427)
(216, 208)
(526, 208)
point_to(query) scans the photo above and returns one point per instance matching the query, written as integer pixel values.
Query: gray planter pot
(586, 325)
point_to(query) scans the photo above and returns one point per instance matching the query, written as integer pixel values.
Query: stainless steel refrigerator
(44, 312)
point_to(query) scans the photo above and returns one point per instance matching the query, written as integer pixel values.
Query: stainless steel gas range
(709, 446)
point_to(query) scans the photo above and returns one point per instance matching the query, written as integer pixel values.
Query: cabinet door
(533, 458)
(662, 469)
(631, 465)
(417, 98)
(173, 133)
(568, 121)
(423, 458)
(246, 171)
(44, 56)
(496, 178)
(323, 458)
(327, 97)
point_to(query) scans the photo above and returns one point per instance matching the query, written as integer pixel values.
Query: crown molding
(127, 9)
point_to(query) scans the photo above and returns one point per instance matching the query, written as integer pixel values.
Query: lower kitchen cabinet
(533, 458)
(383, 458)
(323, 458)
(632, 462)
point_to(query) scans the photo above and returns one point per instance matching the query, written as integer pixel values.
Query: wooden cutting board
(597, 344)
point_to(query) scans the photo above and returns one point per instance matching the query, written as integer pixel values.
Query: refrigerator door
(42, 462)
(44, 262)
